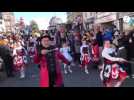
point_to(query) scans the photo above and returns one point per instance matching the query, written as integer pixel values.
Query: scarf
(51, 64)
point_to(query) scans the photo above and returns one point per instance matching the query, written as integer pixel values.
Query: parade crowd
(109, 51)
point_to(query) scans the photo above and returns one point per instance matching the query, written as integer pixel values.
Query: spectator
(127, 40)
(107, 35)
(77, 44)
(130, 50)
(60, 37)
(99, 39)
(8, 60)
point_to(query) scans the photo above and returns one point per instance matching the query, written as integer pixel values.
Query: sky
(42, 18)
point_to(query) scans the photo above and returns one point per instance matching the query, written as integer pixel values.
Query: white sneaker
(128, 77)
(22, 76)
(118, 84)
(101, 75)
(132, 75)
(70, 70)
(65, 72)
(86, 71)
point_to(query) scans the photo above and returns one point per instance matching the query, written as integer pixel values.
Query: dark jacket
(129, 46)
(107, 35)
(121, 52)
(5, 54)
(99, 39)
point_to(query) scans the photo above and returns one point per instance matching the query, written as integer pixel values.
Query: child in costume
(65, 50)
(31, 50)
(20, 60)
(85, 56)
(112, 73)
(95, 52)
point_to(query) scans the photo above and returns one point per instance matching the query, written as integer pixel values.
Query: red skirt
(18, 63)
(18, 66)
(121, 75)
(85, 60)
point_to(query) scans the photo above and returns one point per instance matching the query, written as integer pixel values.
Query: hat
(45, 36)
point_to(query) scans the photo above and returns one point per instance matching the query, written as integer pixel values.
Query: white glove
(121, 60)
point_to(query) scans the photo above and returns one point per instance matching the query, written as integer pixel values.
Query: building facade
(2, 23)
(55, 20)
(124, 26)
(9, 20)
(72, 15)
(88, 20)
(75, 21)
(106, 19)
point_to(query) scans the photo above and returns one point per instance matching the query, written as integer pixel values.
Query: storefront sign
(106, 19)
(90, 20)
(104, 14)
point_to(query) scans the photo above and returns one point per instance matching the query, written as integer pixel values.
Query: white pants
(22, 72)
(100, 51)
(67, 66)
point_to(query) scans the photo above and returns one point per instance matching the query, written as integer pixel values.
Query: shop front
(126, 21)
(106, 21)
(128, 24)
(90, 23)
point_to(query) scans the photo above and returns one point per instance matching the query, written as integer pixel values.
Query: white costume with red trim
(85, 56)
(20, 59)
(65, 51)
(112, 69)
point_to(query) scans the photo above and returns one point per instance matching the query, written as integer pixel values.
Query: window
(7, 17)
(86, 14)
(70, 13)
(0, 17)
(90, 13)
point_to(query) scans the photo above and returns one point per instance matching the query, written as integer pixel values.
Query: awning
(90, 20)
(106, 19)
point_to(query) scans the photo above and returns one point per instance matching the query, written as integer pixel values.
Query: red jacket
(44, 76)
(95, 51)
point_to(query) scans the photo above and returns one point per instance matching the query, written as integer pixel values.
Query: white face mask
(130, 40)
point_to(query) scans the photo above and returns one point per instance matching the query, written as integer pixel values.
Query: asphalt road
(78, 78)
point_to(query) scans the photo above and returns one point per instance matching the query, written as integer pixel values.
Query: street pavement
(80, 79)
(31, 80)
(76, 79)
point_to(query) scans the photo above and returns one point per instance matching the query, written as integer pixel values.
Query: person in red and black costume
(95, 52)
(112, 74)
(48, 57)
